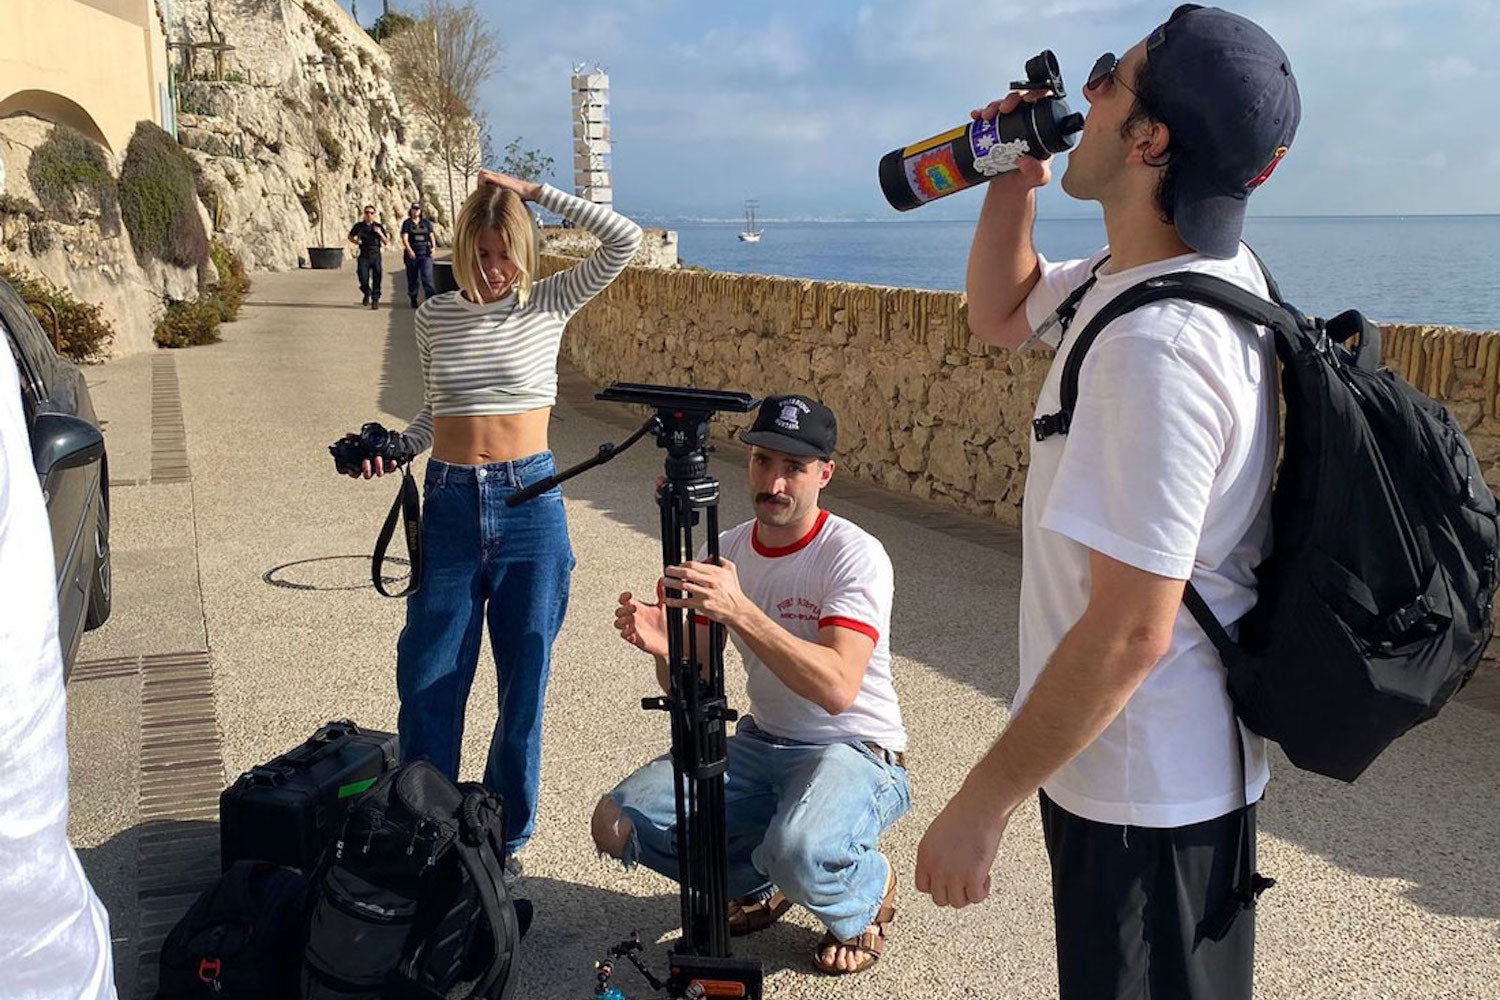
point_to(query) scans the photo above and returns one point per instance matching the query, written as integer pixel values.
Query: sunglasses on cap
(1104, 73)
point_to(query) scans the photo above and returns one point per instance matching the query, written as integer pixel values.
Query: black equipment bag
(1376, 601)
(411, 902)
(241, 940)
(287, 811)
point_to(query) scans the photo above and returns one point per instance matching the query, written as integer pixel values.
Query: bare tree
(439, 64)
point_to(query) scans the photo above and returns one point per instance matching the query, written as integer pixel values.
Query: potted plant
(316, 145)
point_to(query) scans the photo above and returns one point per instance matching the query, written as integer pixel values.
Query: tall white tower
(591, 145)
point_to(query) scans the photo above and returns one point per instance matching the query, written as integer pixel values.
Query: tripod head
(680, 424)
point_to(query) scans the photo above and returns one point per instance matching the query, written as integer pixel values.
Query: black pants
(1131, 904)
(369, 275)
(419, 266)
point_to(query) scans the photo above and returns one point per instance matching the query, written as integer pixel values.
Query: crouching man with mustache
(817, 769)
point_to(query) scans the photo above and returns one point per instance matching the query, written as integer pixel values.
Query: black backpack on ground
(241, 940)
(1376, 602)
(411, 902)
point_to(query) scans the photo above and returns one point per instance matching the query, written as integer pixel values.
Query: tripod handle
(607, 451)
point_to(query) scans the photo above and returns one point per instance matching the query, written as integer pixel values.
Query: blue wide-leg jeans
(482, 560)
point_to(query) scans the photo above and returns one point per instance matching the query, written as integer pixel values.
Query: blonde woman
(489, 366)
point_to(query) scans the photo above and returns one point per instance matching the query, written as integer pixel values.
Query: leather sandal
(750, 914)
(868, 944)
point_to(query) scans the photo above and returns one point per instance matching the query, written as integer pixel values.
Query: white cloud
(1450, 69)
(777, 48)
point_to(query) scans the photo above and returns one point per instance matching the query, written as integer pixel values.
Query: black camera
(373, 441)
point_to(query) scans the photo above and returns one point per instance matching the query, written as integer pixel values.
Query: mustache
(762, 497)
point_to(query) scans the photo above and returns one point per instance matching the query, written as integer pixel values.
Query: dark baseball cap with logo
(794, 424)
(1225, 90)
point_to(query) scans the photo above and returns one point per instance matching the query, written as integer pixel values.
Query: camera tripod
(700, 964)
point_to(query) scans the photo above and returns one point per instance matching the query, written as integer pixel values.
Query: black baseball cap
(1226, 90)
(797, 425)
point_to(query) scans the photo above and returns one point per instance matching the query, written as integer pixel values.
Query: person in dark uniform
(369, 236)
(417, 243)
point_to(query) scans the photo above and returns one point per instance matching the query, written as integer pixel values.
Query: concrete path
(1389, 889)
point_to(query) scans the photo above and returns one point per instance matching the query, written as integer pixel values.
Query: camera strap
(408, 507)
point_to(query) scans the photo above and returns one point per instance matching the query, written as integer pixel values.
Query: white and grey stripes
(501, 358)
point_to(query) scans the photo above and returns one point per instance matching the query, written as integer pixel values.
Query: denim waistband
(516, 473)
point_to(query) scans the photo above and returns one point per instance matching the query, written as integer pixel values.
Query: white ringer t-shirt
(838, 574)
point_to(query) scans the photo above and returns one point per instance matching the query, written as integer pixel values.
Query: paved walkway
(1389, 889)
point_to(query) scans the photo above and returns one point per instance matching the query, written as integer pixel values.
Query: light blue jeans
(801, 816)
(511, 565)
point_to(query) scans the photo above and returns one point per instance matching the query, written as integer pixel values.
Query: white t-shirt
(1167, 467)
(840, 575)
(54, 933)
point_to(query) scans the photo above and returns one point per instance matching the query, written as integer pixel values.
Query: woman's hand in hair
(526, 189)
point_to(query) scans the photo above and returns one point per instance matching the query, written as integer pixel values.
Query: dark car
(67, 449)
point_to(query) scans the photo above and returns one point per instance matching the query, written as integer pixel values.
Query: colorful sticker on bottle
(1002, 157)
(991, 155)
(932, 143)
(934, 174)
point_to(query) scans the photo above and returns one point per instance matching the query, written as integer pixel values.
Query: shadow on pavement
(401, 369)
(576, 925)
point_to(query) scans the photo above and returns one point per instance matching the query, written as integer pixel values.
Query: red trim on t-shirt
(786, 550)
(852, 625)
(698, 619)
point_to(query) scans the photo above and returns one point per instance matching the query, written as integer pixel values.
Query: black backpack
(1376, 602)
(241, 940)
(411, 902)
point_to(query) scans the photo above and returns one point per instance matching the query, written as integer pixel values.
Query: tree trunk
(448, 163)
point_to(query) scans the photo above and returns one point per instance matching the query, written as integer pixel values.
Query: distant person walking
(370, 236)
(417, 243)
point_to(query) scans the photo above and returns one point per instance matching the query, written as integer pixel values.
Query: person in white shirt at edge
(817, 769)
(489, 369)
(54, 933)
(1122, 719)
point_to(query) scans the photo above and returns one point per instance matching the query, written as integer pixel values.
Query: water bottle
(981, 151)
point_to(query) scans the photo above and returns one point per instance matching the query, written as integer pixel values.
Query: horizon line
(710, 220)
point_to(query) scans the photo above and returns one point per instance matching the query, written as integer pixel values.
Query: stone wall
(924, 407)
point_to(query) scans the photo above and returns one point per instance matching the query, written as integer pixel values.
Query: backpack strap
(1205, 289)
(1063, 315)
(481, 849)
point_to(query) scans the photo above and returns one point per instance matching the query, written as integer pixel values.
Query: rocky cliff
(84, 249)
(303, 128)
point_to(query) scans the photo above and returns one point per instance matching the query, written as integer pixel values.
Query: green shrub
(13, 205)
(333, 150)
(82, 330)
(187, 324)
(390, 24)
(66, 163)
(234, 284)
(158, 200)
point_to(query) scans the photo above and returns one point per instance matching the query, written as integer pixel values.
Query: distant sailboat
(751, 234)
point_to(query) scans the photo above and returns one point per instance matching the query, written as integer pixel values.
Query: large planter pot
(442, 276)
(325, 258)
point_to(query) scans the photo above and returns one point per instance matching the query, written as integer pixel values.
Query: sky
(793, 102)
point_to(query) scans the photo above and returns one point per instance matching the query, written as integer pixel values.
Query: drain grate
(169, 462)
(182, 773)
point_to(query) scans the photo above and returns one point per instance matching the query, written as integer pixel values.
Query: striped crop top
(501, 358)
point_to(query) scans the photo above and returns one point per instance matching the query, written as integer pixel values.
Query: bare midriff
(481, 440)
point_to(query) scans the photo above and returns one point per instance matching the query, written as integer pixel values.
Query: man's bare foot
(840, 958)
